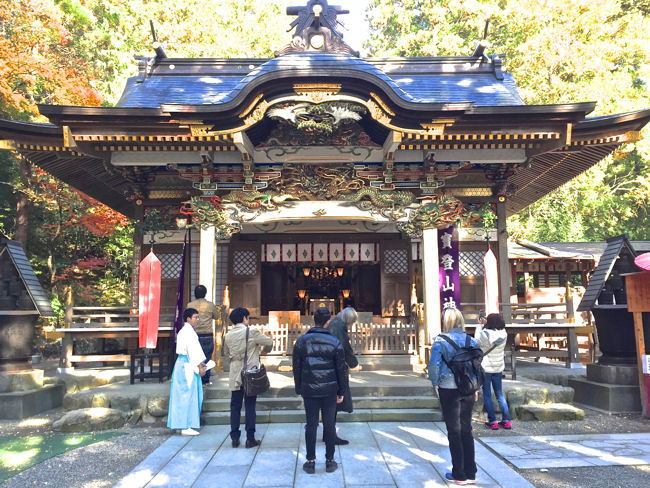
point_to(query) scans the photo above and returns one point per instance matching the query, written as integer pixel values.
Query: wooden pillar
(431, 284)
(208, 261)
(137, 255)
(504, 265)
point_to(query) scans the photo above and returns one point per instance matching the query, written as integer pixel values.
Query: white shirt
(187, 344)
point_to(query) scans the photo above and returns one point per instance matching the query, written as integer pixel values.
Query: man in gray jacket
(338, 327)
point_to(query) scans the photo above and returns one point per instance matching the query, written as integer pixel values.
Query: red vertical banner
(150, 274)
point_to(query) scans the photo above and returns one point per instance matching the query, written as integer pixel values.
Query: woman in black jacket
(321, 377)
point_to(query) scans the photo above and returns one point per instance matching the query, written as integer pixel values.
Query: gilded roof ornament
(317, 30)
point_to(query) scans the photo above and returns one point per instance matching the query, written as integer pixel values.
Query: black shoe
(330, 465)
(253, 443)
(235, 443)
(309, 467)
(341, 442)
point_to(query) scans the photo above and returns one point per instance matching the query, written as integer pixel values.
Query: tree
(80, 52)
(595, 50)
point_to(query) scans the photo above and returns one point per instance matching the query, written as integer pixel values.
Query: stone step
(361, 415)
(358, 391)
(376, 362)
(295, 403)
(549, 412)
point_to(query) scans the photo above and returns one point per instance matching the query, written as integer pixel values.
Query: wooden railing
(365, 338)
(105, 323)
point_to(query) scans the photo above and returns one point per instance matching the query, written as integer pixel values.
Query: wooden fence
(365, 338)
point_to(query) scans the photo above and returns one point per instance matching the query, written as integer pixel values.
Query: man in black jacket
(321, 378)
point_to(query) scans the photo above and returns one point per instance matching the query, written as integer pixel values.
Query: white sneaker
(189, 432)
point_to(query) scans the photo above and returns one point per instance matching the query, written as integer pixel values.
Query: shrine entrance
(307, 286)
(372, 273)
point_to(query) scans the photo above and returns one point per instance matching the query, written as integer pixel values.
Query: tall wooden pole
(503, 261)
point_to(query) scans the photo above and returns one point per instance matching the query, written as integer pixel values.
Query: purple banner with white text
(449, 268)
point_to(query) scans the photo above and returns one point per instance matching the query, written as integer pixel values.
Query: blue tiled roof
(482, 88)
(190, 89)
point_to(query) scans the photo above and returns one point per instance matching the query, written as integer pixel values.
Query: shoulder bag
(254, 380)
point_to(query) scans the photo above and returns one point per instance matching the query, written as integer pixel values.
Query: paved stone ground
(380, 454)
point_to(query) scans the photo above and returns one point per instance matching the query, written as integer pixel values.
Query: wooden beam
(244, 144)
(391, 144)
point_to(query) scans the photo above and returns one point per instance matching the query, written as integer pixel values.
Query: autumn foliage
(38, 65)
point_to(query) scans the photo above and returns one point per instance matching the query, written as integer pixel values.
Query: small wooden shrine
(22, 302)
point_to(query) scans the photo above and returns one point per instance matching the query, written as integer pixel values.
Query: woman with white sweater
(493, 365)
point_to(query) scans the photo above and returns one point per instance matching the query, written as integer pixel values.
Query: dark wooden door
(244, 273)
(395, 278)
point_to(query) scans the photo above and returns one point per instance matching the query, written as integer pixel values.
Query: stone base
(23, 380)
(607, 397)
(613, 374)
(23, 404)
(549, 411)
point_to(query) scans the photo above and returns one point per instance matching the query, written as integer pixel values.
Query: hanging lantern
(306, 271)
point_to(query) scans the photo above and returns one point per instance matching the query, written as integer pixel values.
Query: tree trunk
(22, 203)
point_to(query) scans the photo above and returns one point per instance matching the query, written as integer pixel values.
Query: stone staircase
(386, 395)
(388, 390)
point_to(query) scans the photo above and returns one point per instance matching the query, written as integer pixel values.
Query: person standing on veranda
(208, 312)
(235, 348)
(456, 408)
(186, 390)
(321, 378)
(339, 327)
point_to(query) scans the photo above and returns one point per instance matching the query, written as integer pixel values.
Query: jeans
(327, 407)
(494, 379)
(236, 398)
(207, 344)
(457, 412)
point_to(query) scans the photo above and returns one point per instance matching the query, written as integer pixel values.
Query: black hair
(188, 312)
(200, 291)
(321, 316)
(237, 315)
(495, 321)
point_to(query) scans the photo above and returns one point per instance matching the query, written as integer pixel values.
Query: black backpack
(466, 366)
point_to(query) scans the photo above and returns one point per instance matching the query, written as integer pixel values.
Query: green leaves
(590, 50)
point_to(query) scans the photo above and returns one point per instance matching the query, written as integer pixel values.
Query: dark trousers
(326, 406)
(457, 412)
(207, 344)
(236, 399)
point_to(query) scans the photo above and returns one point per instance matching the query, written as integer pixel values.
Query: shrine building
(318, 177)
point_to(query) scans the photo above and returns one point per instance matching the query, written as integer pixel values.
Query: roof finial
(317, 29)
(160, 52)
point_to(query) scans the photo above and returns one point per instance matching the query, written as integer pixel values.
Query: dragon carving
(441, 211)
(252, 200)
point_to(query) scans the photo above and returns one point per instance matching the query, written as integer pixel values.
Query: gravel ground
(588, 477)
(104, 463)
(98, 465)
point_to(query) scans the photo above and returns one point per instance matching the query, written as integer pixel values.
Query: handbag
(254, 380)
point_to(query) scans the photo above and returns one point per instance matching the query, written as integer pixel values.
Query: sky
(356, 31)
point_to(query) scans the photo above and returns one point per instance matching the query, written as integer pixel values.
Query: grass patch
(20, 453)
